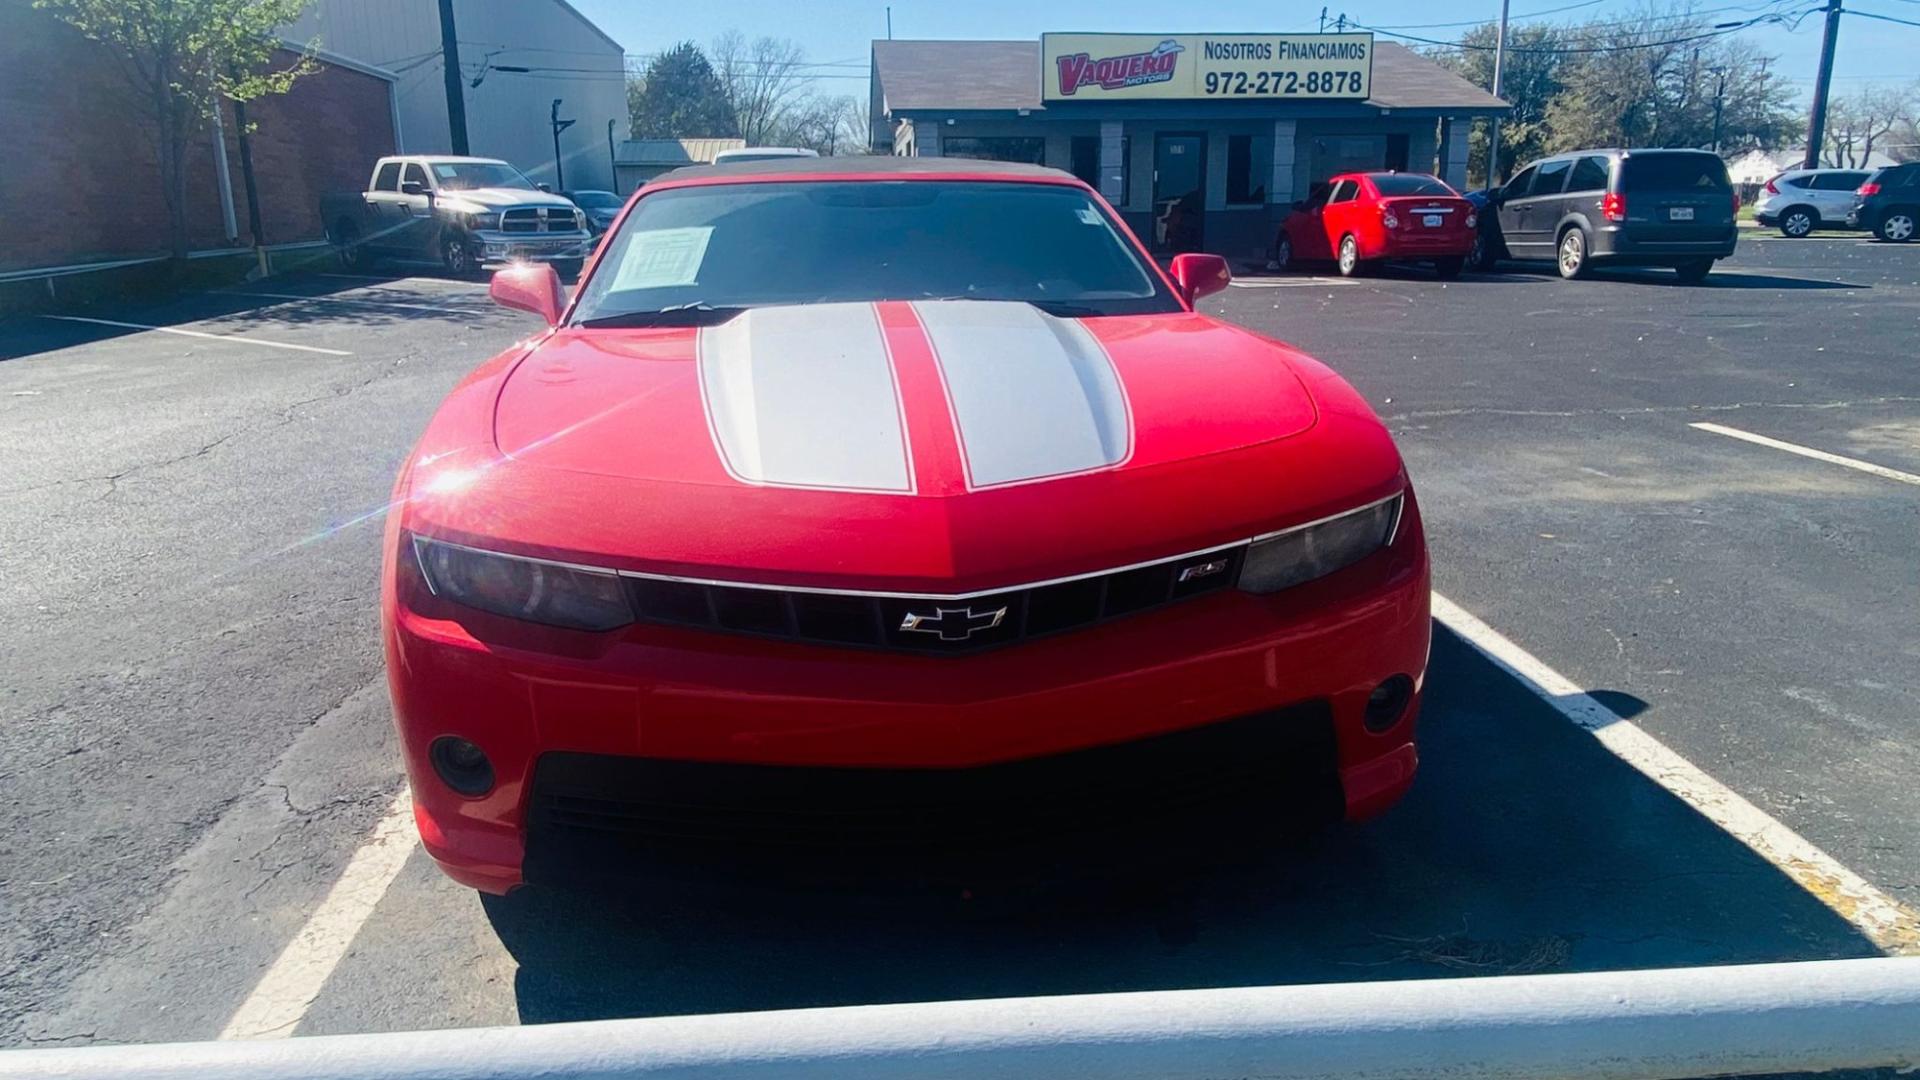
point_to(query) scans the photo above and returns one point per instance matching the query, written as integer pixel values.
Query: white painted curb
(1637, 1025)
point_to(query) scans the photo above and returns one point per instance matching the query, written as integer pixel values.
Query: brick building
(81, 172)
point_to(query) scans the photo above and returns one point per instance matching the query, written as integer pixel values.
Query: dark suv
(1615, 207)
(1889, 203)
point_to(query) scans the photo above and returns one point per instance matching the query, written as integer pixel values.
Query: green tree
(1529, 81)
(680, 97)
(182, 58)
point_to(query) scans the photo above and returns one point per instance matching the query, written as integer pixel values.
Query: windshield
(1673, 172)
(596, 200)
(468, 175)
(1392, 184)
(730, 246)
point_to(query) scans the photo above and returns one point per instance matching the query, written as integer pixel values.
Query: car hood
(935, 445)
(498, 197)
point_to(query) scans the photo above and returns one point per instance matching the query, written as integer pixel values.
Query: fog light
(1388, 703)
(462, 765)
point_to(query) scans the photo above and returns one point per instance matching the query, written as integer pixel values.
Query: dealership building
(1202, 141)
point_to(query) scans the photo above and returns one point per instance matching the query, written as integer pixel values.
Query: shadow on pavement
(1720, 278)
(379, 299)
(1524, 847)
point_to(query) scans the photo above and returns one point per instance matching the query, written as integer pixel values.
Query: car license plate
(1680, 213)
(1432, 221)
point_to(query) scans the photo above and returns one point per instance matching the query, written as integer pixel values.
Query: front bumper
(496, 246)
(662, 697)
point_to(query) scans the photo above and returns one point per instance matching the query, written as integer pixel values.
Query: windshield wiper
(695, 313)
(1065, 310)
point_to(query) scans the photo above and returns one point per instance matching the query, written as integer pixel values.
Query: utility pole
(1493, 132)
(456, 95)
(613, 157)
(889, 22)
(1817, 123)
(1719, 101)
(559, 125)
(1341, 26)
(1323, 20)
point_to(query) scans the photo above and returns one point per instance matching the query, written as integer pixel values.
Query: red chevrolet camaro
(855, 503)
(1360, 220)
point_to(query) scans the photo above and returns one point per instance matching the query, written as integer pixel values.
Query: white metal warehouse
(515, 57)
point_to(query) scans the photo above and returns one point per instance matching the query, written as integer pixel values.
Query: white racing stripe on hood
(1033, 395)
(805, 396)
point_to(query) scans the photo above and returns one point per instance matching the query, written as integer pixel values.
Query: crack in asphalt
(283, 416)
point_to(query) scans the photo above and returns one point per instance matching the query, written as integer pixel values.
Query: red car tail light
(1387, 219)
(1736, 202)
(1770, 189)
(1868, 188)
(1613, 206)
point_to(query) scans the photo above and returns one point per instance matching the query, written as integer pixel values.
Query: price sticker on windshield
(663, 258)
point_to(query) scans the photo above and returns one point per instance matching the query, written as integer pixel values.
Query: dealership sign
(1096, 67)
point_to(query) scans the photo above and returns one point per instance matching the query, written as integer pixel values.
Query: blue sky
(839, 30)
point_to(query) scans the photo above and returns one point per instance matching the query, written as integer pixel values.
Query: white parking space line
(200, 334)
(1810, 452)
(280, 999)
(353, 300)
(1291, 283)
(1881, 919)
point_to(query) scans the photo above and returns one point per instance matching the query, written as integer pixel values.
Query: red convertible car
(859, 505)
(1360, 220)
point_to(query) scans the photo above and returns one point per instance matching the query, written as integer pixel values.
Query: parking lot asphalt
(196, 740)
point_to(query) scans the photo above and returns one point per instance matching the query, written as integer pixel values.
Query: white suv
(1802, 200)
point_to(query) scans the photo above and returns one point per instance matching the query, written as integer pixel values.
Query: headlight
(530, 589)
(579, 219)
(1305, 552)
(489, 220)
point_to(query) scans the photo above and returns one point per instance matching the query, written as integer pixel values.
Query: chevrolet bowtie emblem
(954, 624)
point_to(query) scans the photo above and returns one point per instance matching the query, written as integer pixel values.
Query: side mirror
(534, 287)
(414, 187)
(1199, 275)
(544, 186)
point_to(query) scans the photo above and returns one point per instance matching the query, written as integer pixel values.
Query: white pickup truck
(457, 211)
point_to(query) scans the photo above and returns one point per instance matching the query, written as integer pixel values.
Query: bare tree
(1869, 116)
(856, 124)
(764, 80)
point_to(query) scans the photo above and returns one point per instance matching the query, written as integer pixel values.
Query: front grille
(941, 625)
(537, 219)
(1262, 771)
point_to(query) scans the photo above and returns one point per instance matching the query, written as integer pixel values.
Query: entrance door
(1179, 191)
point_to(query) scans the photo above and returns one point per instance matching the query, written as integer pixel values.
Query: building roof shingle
(1005, 75)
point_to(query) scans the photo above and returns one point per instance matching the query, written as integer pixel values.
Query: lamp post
(559, 125)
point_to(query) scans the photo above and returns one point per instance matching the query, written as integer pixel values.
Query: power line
(1481, 22)
(1883, 18)
(1730, 28)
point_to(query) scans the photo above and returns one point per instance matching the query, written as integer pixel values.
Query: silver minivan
(1799, 201)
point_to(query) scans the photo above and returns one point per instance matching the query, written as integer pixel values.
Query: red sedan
(1360, 220)
(855, 504)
